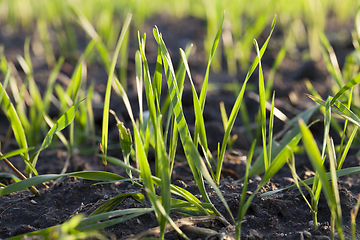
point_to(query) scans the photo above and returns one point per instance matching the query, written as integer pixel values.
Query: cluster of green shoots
(159, 127)
(245, 21)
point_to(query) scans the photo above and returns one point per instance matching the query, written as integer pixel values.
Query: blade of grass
(105, 125)
(262, 99)
(309, 181)
(317, 163)
(237, 105)
(60, 124)
(15, 122)
(199, 119)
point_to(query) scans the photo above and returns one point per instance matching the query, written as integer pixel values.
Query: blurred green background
(300, 20)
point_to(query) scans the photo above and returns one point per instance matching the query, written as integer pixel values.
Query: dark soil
(281, 216)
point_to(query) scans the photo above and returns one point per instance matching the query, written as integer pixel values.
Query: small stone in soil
(306, 234)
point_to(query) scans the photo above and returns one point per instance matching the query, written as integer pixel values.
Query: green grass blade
(340, 109)
(278, 60)
(309, 181)
(327, 121)
(199, 119)
(349, 85)
(271, 128)
(90, 175)
(15, 122)
(262, 99)
(236, 107)
(60, 124)
(317, 163)
(211, 56)
(291, 140)
(64, 121)
(105, 125)
(346, 149)
(59, 134)
(335, 189)
(139, 86)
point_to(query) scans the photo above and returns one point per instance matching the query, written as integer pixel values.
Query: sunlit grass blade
(66, 230)
(340, 109)
(297, 179)
(344, 153)
(336, 221)
(327, 120)
(105, 124)
(100, 221)
(200, 132)
(317, 163)
(90, 175)
(139, 86)
(126, 142)
(15, 122)
(309, 181)
(236, 107)
(349, 85)
(60, 124)
(278, 60)
(211, 56)
(262, 99)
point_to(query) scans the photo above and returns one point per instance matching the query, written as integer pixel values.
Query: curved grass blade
(317, 163)
(211, 56)
(93, 222)
(90, 175)
(327, 121)
(199, 119)
(105, 124)
(290, 140)
(15, 122)
(67, 230)
(309, 181)
(339, 109)
(60, 124)
(236, 107)
(262, 100)
(349, 85)
(114, 202)
(346, 149)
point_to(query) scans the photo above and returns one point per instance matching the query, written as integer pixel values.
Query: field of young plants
(211, 119)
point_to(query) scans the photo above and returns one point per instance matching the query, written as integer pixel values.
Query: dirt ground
(281, 216)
